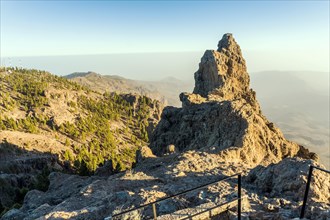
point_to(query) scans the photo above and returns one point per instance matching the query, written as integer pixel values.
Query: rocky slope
(219, 131)
(50, 124)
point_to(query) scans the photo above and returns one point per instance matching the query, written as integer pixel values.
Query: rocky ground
(270, 192)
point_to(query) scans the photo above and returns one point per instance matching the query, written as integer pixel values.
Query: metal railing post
(239, 208)
(302, 213)
(154, 210)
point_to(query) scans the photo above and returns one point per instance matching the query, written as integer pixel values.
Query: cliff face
(223, 72)
(223, 116)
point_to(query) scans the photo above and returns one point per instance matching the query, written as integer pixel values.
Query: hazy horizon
(146, 66)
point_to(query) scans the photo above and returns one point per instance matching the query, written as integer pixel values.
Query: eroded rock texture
(222, 114)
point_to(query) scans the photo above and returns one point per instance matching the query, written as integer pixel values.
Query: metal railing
(154, 208)
(310, 173)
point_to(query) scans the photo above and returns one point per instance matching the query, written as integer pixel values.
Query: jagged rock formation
(223, 72)
(274, 180)
(223, 116)
(283, 186)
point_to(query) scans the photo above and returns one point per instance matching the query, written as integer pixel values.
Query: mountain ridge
(164, 90)
(45, 116)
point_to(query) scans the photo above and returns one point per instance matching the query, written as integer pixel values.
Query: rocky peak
(228, 43)
(222, 115)
(223, 73)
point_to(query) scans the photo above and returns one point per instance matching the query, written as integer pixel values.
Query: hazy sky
(282, 35)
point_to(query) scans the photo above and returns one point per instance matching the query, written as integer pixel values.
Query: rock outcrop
(282, 187)
(288, 179)
(223, 72)
(222, 115)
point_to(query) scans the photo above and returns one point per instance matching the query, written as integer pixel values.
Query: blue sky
(294, 33)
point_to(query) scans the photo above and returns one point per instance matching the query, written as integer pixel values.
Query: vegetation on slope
(90, 127)
(94, 140)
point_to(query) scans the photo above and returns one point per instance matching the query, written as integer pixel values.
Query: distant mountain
(78, 74)
(165, 90)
